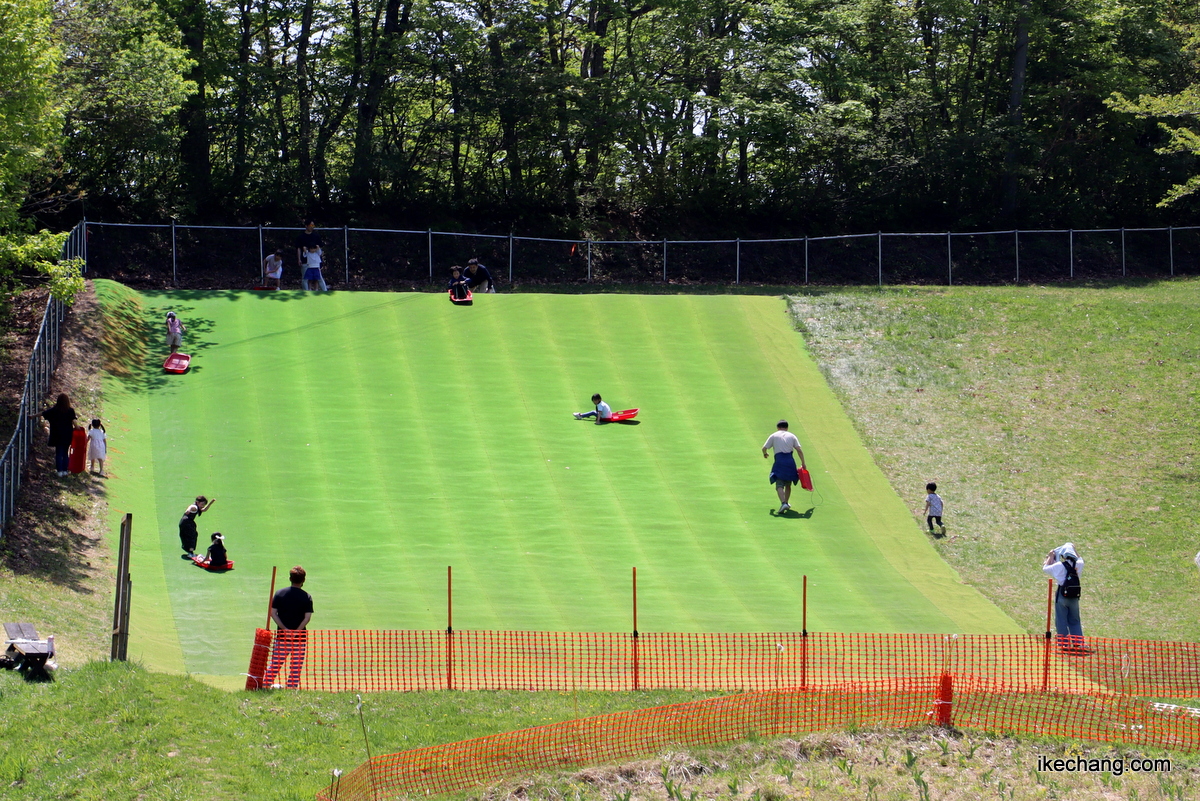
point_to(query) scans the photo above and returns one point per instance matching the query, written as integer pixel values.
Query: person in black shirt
(478, 276)
(187, 525)
(309, 238)
(458, 283)
(61, 418)
(291, 609)
(218, 557)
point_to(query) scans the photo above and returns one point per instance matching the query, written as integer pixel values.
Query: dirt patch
(54, 551)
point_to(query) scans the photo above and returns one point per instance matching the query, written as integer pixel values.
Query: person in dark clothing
(61, 418)
(187, 524)
(478, 276)
(458, 283)
(308, 239)
(291, 609)
(218, 557)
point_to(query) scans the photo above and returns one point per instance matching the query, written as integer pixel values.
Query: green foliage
(122, 84)
(30, 118)
(593, 115)
(1183, 107)
(41, 252)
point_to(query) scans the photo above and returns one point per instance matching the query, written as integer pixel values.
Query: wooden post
(636, 666)
(271, 598)
(449, 630)
(804, 636)
(120, 630)
(1046, 657)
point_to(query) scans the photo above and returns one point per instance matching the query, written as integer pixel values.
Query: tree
(1182, 106)
(30, 118)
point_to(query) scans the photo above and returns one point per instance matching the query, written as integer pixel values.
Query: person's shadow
(792, 514)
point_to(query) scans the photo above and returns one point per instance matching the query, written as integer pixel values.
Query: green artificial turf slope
(378, 438)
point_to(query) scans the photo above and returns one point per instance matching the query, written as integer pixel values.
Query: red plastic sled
(202, 561)
(627, 414)
(461, 301)
(177, 363)
(77, 455)
(805, 479)
(264, 288)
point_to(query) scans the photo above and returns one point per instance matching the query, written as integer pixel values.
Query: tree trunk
(379, 67)
(196, 162)
(1015, 98)
(304, 103)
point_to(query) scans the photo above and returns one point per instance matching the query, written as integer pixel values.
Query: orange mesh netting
(379, 661)
(794, 684)
(482, 762)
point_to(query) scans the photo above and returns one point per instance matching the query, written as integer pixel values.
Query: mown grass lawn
(1044, 414)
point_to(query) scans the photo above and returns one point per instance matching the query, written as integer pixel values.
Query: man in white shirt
(1061, 564)
(784, 473)
(602, 412)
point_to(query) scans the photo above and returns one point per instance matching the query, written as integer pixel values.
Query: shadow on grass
(44, 539)
(792, 514)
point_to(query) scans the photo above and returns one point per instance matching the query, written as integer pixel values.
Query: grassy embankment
(1044, 414)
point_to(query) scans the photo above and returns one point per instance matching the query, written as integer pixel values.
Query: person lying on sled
(458, 284)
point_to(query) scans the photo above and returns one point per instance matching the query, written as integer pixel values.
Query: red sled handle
(805, 479)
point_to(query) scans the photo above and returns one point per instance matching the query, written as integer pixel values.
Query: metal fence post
(510, 256)
(174, 269)
(1171, 248)
(806, 259)
(664, 260)
(737, 263)
(949, 261)
(879, 256)
(429, 233)
(1122, 252)
(261, 275)
(346, 252)
(1017, 252)
(589, 248)
(1071, 251)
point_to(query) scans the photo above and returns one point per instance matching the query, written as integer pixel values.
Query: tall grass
(1044, 414)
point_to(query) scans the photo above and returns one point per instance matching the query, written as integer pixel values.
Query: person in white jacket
(1064, 565)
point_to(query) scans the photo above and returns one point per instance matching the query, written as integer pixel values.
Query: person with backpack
(1064, 564)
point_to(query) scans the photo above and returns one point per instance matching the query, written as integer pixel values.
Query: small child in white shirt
(933, 508)
(97, 450)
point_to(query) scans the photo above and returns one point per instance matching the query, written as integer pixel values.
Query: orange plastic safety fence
(482, 762)
(378, 661)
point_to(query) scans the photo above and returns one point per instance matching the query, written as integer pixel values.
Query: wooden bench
(26, 650)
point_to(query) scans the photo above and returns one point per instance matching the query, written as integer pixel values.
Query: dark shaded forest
(643, 118)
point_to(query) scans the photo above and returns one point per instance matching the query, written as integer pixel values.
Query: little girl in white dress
(97, 445)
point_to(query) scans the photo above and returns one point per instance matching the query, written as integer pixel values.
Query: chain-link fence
(42, 362)
(205, 257)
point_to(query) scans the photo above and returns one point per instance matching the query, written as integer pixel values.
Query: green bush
(40, 252)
